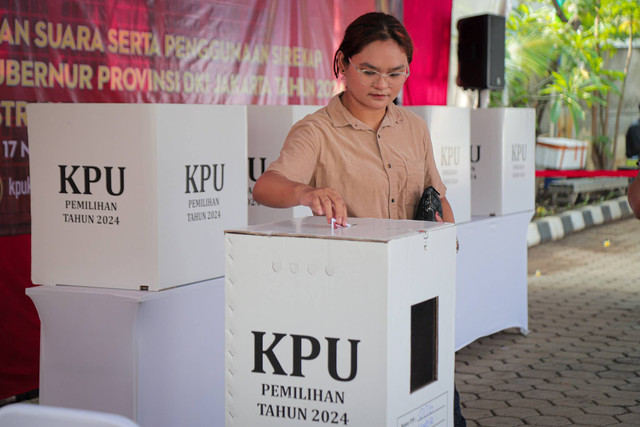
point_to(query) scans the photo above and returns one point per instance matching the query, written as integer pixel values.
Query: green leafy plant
(557, 57)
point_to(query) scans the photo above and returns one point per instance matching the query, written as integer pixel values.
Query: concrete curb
(557, 226)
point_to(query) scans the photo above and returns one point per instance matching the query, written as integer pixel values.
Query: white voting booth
(134, 196)
(350, 326)
(267, 127)
(502, 160)
(128, 199)
(450, 136)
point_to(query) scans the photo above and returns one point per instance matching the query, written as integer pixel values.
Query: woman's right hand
(324, 201)
(275, 190)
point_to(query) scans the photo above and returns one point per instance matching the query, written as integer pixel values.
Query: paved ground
(580, 363)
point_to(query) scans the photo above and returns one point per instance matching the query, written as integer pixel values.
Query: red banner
(194, 52)
(429, 23)
(19, 322)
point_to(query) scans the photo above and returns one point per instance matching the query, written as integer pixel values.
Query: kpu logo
(450, 156)
(212, 175)
(90, 176)
(296, 342)
(519, 152)
(18, 188)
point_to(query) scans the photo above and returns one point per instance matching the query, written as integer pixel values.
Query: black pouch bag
(428, 205)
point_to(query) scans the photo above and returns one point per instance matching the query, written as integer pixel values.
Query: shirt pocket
(414, 184)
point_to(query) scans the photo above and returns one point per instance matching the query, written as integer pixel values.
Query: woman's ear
(342, 66)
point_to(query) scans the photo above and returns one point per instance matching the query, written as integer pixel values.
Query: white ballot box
(502, 160)
(449, 129)
(154, 357)
(134, 196)
(351, 326)
(268, 127)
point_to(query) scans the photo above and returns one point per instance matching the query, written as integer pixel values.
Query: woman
(361, 155)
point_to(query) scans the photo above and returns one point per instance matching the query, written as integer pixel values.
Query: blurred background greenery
(561, 60)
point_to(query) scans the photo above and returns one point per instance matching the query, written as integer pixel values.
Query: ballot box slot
(424, 343)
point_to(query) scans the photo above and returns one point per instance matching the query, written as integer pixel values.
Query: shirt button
(389, 165)
(393, 200)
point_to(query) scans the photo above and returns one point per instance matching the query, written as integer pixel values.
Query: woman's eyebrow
(373, 67)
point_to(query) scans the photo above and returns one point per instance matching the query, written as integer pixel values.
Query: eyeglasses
(368, 76)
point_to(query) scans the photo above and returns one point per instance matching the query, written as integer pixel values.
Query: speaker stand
(482, 98)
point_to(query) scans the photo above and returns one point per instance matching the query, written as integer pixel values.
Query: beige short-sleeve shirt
(378, 174)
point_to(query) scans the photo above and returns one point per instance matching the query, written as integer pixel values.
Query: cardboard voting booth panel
(154, 357)
(351, 326)
(502, 161)
(449, 129)
(134, 196)
(268, 127)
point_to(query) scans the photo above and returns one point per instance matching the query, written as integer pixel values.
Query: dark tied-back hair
(368, 28)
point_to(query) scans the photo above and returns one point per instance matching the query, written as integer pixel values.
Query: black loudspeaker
(481, 52)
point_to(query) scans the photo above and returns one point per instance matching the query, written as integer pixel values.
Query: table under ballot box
(154, 357)
(348, 326)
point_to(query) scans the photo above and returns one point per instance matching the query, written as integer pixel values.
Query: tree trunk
(560, 12)
(600, 143)
(540, 107)
(596, 152)
(599, 124)
(604, 119)
(624, 83)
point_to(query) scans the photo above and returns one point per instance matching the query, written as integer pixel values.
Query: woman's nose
(380, 82)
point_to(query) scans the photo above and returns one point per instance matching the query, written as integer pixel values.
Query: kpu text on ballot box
(267, 128)
(351, 326)
(134, 196)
